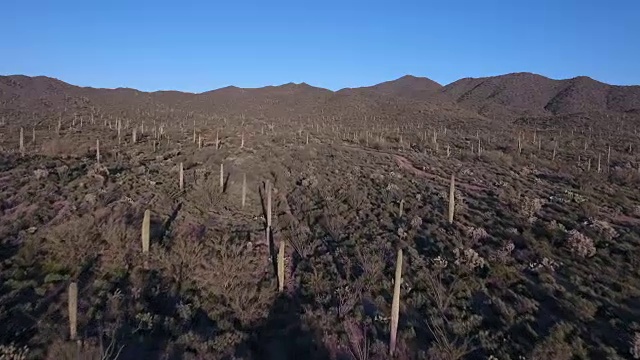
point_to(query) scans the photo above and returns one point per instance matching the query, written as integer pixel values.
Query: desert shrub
(40, 173)
(72, 244)
(580, 245)
(635, 346)
(475, 234)
(63, 173)
(528, 207)
(13, 352)
(120, 245)
(356, 198)
(206, 197)
(604, 229)
(555, 346)
(497, 157)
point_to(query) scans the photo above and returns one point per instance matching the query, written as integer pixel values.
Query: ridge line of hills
(503, 96)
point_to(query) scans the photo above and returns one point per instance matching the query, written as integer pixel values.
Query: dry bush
(503, 254)
(13, 352)
(58, 147)
(359, 343)
(555, 346)
(580, 245)
(528, 207)
(121, 242)
(63, 173)
(181, 260)
(635, 346)
(73, 243)
(356, 198)
(40, 174)
(475, 234)
(604, 229)
(87, 350)
(224, 270)
(205, 197)
(497, 157)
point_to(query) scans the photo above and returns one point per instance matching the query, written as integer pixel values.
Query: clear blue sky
(201, 45)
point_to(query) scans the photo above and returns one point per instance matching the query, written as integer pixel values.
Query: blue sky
(201, 45)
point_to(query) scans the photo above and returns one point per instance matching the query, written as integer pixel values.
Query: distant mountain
(536, 95)
(406, 86)
(409, 97)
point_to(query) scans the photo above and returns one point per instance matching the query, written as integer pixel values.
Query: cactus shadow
(283, 335)
(225, 183)
(160, 230)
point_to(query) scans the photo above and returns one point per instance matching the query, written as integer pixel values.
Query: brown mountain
(411, 98)
(406, 86)
(536, 95)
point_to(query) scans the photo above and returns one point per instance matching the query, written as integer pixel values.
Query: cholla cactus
(635, 346)
(580, 245)
(468, 258)
(40, 173)
(12, 352)
(529, 207)
(476, 234)
(605, 229)
(439, 262)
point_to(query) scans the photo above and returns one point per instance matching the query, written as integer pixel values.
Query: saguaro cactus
(268, 209)
(221, 177)
(395, 305)
(268, 187)
(73, 310)
(133, 136)
(401, 208)
(244, 189)
(280, 266)
(22, 141)
(98, 151)
(181, 177)
(452, 193)
(146, 231)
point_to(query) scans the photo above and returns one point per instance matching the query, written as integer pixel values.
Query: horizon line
(310, 85)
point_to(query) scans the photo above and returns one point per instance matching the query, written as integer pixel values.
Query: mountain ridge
(508, 95)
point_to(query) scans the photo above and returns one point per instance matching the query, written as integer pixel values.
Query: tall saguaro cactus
(244, 189)
(452, 193)
(22, 141)
(268, 187)
(395, 305)
(181, 177)
(280, 266)
(146, 231)
(98, 151)
(268, 210)
(73, 310)
(221, 177)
